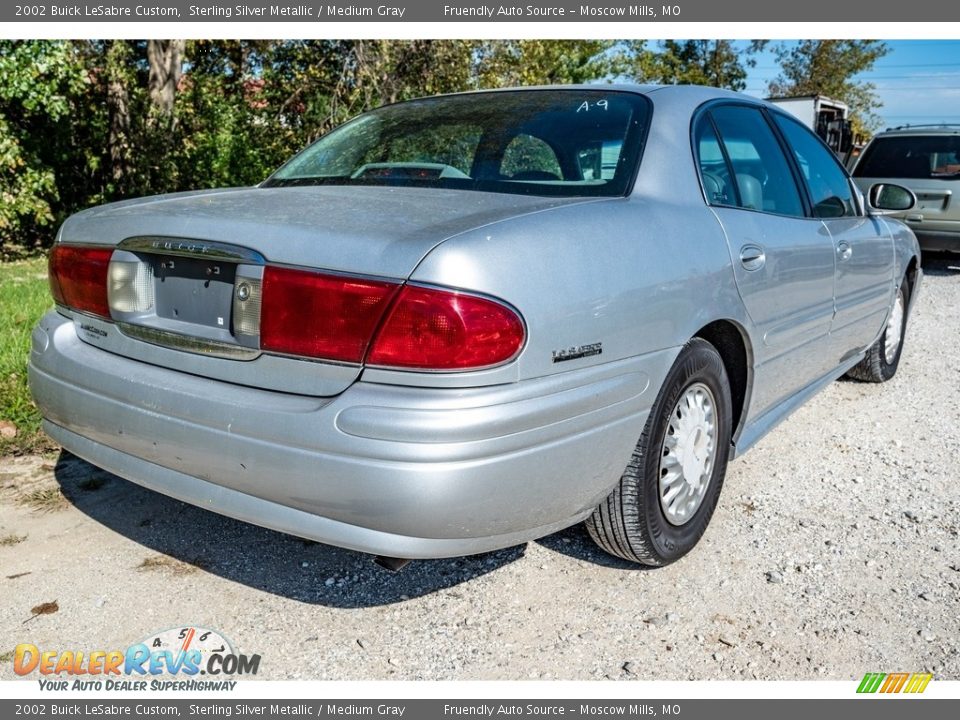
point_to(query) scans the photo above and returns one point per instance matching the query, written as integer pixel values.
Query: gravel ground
(834, 552)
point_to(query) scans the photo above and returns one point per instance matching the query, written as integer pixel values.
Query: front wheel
(669, 490)
(882, 359)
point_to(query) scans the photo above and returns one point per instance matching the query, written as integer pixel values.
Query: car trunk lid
(187, 270)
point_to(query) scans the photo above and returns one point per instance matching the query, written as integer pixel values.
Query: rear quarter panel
(905, 246)
(634, 275)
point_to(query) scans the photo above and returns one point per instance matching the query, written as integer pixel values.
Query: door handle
(844, 251)
(752, 257)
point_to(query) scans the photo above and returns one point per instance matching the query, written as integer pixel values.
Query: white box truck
(826, 117)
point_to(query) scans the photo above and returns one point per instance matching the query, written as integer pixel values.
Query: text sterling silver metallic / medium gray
(460, 323)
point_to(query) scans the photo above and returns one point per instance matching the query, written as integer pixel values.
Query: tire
(633, 523)
(881, 362)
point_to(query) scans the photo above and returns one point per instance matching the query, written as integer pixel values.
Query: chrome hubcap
(894, 330)
(688, 454)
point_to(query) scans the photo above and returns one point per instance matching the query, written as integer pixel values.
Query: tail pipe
(391, 563)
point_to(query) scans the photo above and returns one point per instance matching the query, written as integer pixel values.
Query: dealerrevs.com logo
(182, 658)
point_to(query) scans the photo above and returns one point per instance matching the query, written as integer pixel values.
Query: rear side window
(916, 157)
(827, 182)
(760, 171)
(714, 172)
(598, 160)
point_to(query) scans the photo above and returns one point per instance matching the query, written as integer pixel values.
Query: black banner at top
(554, 11)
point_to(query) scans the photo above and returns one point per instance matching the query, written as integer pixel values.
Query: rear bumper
(407, 472)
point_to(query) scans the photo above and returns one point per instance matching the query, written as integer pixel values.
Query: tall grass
(24, 297)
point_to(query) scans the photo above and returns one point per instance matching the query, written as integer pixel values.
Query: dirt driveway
(834, 552)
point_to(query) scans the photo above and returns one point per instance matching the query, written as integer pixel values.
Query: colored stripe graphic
(918, 682)
(870, 682)
(914, 683)
(894, 682)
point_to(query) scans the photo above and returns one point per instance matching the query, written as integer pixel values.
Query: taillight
(431, 329)
(313, 314)
(323, 316)
(78, 278)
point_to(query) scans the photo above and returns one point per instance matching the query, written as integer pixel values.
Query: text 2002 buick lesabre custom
(463, 322)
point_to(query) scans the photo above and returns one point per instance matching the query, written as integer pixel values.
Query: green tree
(830, 67)
(387, 71)
(505, 63)
(717, 63)
(40, 83)
(225, 132)
(126, 120)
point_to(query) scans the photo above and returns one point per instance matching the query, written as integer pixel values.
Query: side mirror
(886, 199)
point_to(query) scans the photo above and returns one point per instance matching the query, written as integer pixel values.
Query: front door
(864, 250)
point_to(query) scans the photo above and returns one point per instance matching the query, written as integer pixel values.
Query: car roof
(675, 101)
(689, 93)
(936, 129)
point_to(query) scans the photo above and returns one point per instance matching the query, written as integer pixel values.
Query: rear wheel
(669, 490)
(883, 357)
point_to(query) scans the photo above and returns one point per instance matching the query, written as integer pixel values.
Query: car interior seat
(751, 192)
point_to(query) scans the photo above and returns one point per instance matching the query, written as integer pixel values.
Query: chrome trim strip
(189, 247)
(176, 341)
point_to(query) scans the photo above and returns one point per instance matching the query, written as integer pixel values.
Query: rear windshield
(537, 142)
(915, 156)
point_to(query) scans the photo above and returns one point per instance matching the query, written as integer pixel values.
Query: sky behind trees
(918, 81)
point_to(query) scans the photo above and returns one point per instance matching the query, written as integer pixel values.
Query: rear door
(864, 250)
(783, 260)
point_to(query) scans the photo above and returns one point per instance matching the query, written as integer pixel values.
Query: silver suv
(926, 159)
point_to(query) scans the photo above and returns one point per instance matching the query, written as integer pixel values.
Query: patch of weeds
(165, 563)
(45, 500)
(11, 540)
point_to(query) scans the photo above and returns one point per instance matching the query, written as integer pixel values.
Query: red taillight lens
(78, 278)
(430, 329)
(321, 316)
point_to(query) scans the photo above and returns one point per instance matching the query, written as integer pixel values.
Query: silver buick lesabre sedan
(463, 322)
